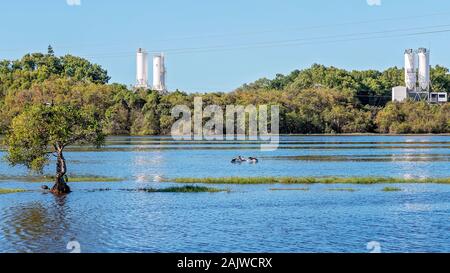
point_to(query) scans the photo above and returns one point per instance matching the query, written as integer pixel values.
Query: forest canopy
(318, 99)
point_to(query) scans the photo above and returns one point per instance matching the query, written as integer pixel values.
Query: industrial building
(417, 79)
(159, 71)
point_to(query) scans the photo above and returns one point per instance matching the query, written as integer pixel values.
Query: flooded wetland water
(112, 217)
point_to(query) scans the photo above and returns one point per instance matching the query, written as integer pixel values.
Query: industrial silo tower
(410, 70)
(418, 81)
(424, 69)
(141, 68)
(159, 73)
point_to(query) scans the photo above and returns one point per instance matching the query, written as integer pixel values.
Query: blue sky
(214, 45)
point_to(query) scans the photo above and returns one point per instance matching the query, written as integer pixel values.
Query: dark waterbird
(252, 160)
(238, 159)
(241, 159)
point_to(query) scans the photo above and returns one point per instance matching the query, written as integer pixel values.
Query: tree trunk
(60, 186)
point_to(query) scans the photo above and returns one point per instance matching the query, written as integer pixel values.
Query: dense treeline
(315, 100)
(361, 83)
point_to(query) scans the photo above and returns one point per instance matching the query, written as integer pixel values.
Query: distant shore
(310, 180)
(343, 134)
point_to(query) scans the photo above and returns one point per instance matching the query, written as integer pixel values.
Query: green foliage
(39, 130)
(50, 51)
(38, 67)
(318, 99)
(440, 79)
(6, 191)
(80, 69)
(371, 81)
(414, 118)
(117, 120)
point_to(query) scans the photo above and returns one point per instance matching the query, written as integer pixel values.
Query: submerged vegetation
(184, 189)
(342, 189)
(5, 191)
(318, 99)
(94, 179)
(309, 180)
(290, 189)
(38, 179)
(391, 189)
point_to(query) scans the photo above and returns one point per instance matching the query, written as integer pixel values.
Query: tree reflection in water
(36, 226)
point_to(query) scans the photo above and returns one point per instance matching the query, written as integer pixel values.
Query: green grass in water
(93, 179)
(391, 189)
(5, 191)
(41, 179)
(342, 189)
(185, 189)
(309, 180)
(290, 189)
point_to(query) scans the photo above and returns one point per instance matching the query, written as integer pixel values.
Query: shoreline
(308, 180)
(343, 134)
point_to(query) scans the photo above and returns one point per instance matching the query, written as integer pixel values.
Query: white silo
(410, 70)
(141, 68)
(424, 69)
(159, 73)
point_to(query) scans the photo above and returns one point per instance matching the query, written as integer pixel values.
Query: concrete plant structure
(417, 79)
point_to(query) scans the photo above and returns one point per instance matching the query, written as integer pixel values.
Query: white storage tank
(410, 70)
(424, 69)
(159, 73)
(141, 68)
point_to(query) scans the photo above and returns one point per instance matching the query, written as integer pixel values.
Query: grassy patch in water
(391, 189)
(290, 189)
(184, 189)
(41, 179)
(5, 191)
(93, 179)
(309, 180)
(342, 189)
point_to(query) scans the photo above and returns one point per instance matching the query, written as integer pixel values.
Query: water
(249, 218)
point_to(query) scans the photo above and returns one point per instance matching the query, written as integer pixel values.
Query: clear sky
(217, 45)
